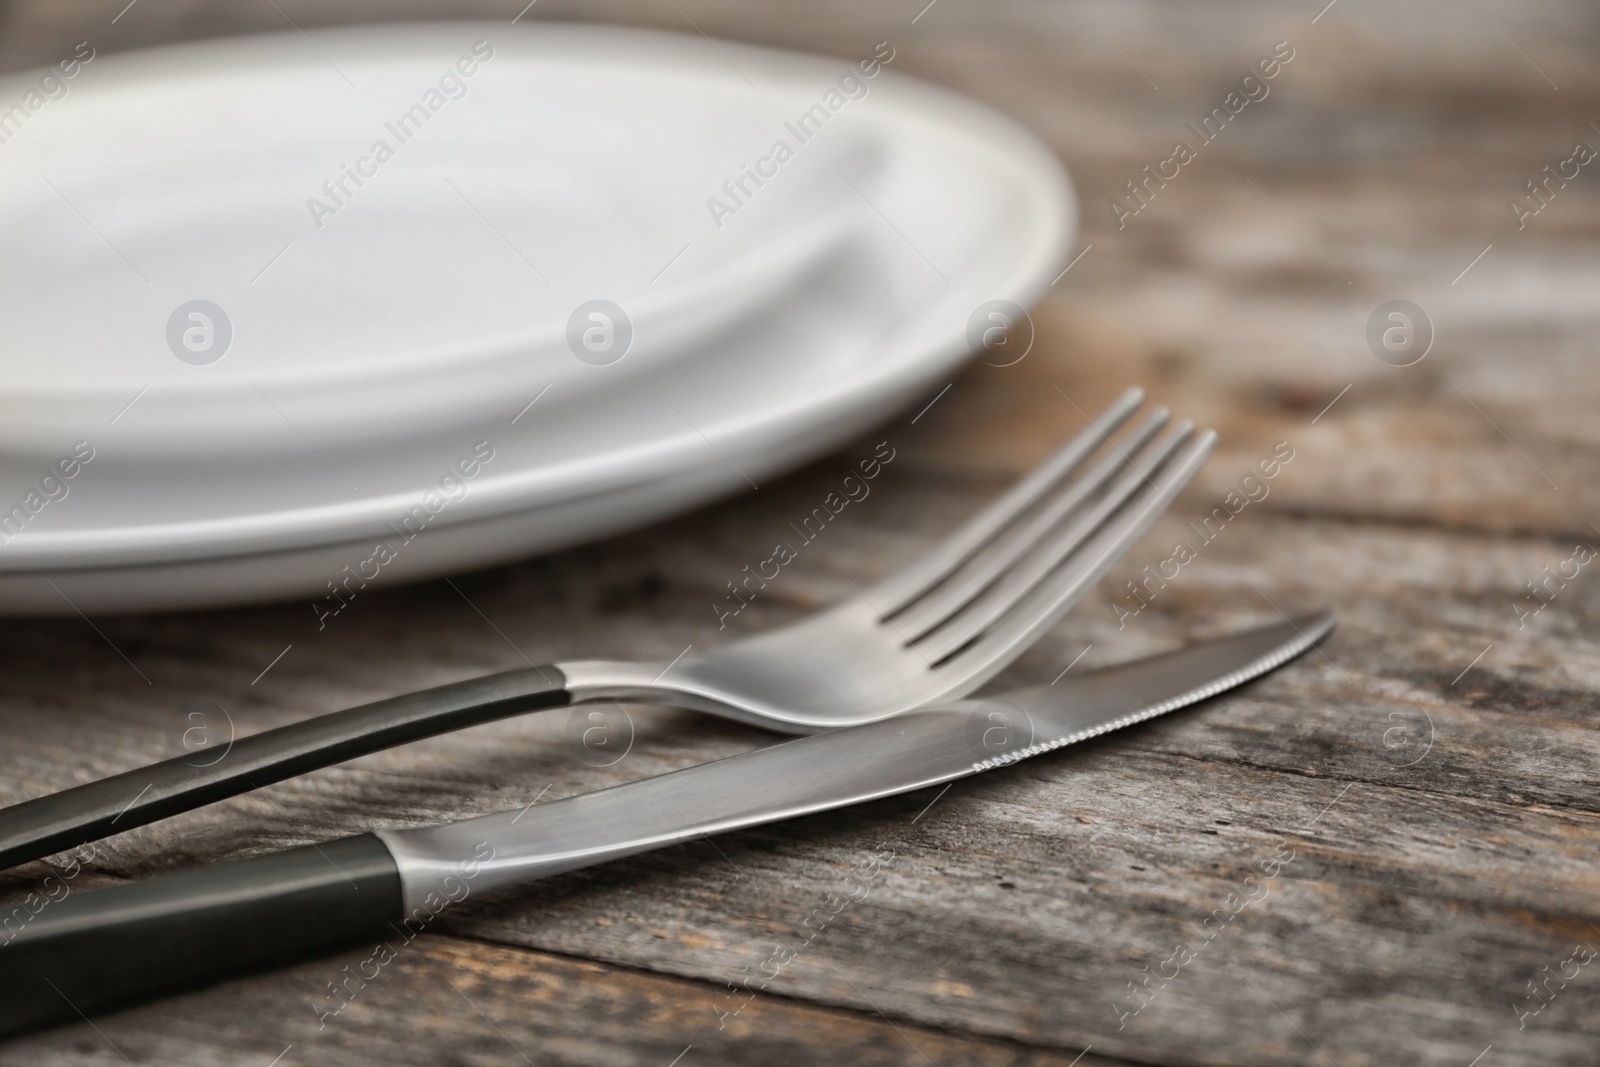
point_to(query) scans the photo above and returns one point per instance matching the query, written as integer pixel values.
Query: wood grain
(1432, 770)
(461, 1002)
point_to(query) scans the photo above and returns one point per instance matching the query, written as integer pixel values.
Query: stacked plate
(285, 316)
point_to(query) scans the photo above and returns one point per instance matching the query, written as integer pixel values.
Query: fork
(937, 630)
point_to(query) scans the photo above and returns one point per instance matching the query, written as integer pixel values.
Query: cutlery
(95, 951)
(935, 631)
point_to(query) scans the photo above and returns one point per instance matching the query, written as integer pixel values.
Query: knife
(91, 952)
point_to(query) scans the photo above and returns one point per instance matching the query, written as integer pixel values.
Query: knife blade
(93, 951)
(851, 766)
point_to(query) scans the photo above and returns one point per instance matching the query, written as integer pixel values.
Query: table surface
(1429, 776)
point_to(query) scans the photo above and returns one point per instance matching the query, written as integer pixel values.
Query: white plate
(370, 353)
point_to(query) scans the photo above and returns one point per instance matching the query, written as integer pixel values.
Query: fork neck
(622, 681)
(593, 681)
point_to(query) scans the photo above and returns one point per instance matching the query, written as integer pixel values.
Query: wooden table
(1427, 783)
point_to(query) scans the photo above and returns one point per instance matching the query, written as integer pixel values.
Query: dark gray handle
(90, 953)
(40, 827)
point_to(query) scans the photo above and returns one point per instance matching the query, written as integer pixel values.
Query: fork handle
(45, 825)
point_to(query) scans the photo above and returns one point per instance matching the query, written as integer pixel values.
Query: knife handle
(45, 825)
(89, 953)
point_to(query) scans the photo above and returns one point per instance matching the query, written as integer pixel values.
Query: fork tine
(979, 573)
(994, 650)
(1036, 569)
(900, 589)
